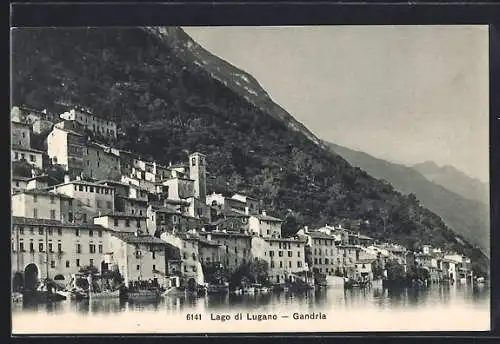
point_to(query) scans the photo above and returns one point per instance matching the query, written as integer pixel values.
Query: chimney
(33, 173)
(209, 236)
(136, 233)
(264, 213)
(247, 211)
(306, 229)
(66, 178)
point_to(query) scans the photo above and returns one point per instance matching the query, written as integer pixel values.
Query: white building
(123, 223)
(265, 225)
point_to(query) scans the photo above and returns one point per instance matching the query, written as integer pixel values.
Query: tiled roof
(121, 215)
(131, 238)
(19, 148)
(267, 218)
(43, 192)
(17, 220)
(296, 239)
(366, 260)
(321, 235)
(21, 178)
(132, 199)
(167, 210)
(232, 213)
(227, 233)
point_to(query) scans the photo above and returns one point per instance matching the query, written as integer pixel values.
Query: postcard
(250, 179)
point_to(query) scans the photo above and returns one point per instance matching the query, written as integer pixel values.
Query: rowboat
(105, 294)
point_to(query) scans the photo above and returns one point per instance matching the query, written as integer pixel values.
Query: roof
(131, 238)
(121, 215)
(19, 148)
(207, 242)
(166, 210)
(18, 220)
(227, 233)
(267, 218)
(20, 123)
(366, 260)
(321, 235)
(232, 213)
(296, 239)
(243, 195)
(83, 182)
(116, 182)
(69, 130)
(43, 192)
(21, 178)
(179, 165)
(174, 201)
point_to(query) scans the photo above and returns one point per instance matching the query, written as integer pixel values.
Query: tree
(290, 225)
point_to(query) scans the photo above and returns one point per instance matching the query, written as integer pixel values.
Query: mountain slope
(467, 217)
(167, 102)
(455, 180)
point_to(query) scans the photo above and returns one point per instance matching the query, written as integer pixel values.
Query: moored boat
(105, 294)
(249, 290)
(217, 288)
(17, 297)
(143, 294)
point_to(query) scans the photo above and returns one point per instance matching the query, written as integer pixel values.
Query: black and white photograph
(250, 179)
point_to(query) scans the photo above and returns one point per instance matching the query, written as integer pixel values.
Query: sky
(406, 94)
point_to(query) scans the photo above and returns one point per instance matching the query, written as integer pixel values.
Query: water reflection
(317, 300)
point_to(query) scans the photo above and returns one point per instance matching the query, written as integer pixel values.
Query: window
(236, 250)
(280, 253)
(52, 214)
(17, 158)
(127, 223)
(138, 223)
(50, 230)
(35, 213)
(85, 218)
(78, 262)
(21, 230)
(91, 262)
(40, 247)
(109, 205)
(154, 267)
(193, 256)
(138, 267)
(70, 202)
(91, 248)
(35, 198)
(315, 260)
(319, 261)
(281, 264)
(91, 233)
(32, 230)
(299, 264)
(116, 222)
(91, 189)
(77, 232)
(50, 247)
(272, 264)
(52, 264)
(40, 230)
(289, 264)
(21, 246)
(67, 263)
(59, 247)
(153, 254)
(289, 253)
(70, 216)
(99, 233)
(80, 188)
(193, 161)
(98, 203)
(78, 248)
(100, 248)
(298, 253)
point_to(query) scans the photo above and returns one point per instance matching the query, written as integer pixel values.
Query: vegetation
(256, 271)
(166, 105)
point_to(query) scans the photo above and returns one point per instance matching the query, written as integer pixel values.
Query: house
(251, 205)
(123, 223)
(98, 125)
(50, 248)
(66, 147)
(236, 246)
(364, 269)
(265, 225)
(285, 257)
(20, 135)
(90, 198)
(19, 183)
(139, 257)
(37, 204)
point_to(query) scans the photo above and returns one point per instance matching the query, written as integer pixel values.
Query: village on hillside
(118, 223)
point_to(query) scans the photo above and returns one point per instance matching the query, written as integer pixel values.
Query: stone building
(98, 125)
(44, 248)
(265, 225)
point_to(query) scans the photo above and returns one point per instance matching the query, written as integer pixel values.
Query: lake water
(438, 308)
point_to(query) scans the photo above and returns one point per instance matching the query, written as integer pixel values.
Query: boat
(217, 288)
(105, 294)
(249, 290)
(152, 294)
(264, 290)
(237, 291)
